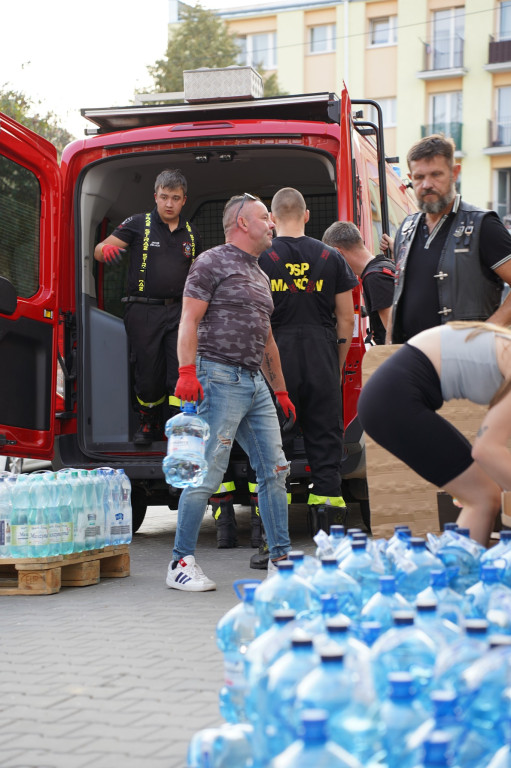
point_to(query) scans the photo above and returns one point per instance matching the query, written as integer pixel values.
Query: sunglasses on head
(246, 196)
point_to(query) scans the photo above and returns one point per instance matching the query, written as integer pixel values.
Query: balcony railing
(443, 53)
(451, 130)
(499, 133)
(500, 51)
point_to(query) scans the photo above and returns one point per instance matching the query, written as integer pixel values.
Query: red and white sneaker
(188, 576)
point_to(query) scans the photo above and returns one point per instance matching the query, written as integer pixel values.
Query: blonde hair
(478, 328)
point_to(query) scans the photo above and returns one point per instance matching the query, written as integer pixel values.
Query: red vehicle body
(66, 392)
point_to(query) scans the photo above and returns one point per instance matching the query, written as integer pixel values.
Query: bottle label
(90, 532)
(19, 535)
(185, 445)
(67, 532)
(38, 535)
(233, 673)
(5, 533)
(55, 533)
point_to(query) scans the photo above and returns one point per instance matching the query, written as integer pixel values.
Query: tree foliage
(20, 107)
(201, 39)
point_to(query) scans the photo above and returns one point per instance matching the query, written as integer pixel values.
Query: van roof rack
(310, 107)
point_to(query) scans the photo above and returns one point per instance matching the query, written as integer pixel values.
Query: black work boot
(150, 429)
(225, 521)
(322, 516)
(256, 524)
(259, 561)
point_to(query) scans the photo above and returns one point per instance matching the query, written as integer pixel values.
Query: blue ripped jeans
(237, 404)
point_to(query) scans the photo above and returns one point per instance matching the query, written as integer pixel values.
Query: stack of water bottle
(55, 513)
(374, 653)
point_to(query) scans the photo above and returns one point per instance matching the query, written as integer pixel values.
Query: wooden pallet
(46, 575)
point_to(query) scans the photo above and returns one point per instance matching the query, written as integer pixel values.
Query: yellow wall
(290, 58)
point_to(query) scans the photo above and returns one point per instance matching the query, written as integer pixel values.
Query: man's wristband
(342, 341)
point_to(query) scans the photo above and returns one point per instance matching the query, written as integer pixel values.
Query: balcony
(453, 131)
(499, 55)
(499, 137)
(443, 58)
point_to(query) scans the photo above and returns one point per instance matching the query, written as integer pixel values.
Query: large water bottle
(313, 749)
(460, 555)
(454, 659)
(305, 565)
(78, 505)
(382, 605)
(413, 569)
(488, 592)
(285, 590)
(397, 546)
(357, 656)
(449, 602)
(284, 676)
(448, 717)
(5, 515)
(330, 580)
(226, 746)
(329, 686)
(404, 648)
(187, 434)
(66, 512)
(401, 713)
(38, 525)
(234, 633)
(443, 631)
(360, 564)
(90, 509)
(437, 751)
(127, 525)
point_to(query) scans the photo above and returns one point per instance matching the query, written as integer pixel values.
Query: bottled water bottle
(98, 484)
(38, 528)
(488, 590)
(382, 605)
(313, 749)
(329, 686)
(65, 504)
(414, 567)
(106, 475)
(284, 676)
(359, 564)
(316, 627)
(78, 504)
(285, 590)
(397, 546)
(453, 660)
(449, 602)
(227, 746)
(441, 630)
(357, 657)
(329, 579)
(458, 551)
(5, 516)
(448, 717)
(401, 713)
(499, 554)
(437, 751)
(370, 631)
(358, 730)
(54, 514)
(127, 525)
(305, 565)
(116, 508)
(187, 434)
(90, 509)
(404, 648)
(344, 547)
(234, 633)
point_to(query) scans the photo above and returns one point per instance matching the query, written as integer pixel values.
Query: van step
(46, 575)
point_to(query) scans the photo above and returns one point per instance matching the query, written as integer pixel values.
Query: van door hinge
(5, 441)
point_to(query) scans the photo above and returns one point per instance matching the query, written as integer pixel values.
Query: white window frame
(456, 13)
(246, 56)
(389, 112)
(503, 125)
(392, 31)
(504, 4)
(450, 111)
(329, 39)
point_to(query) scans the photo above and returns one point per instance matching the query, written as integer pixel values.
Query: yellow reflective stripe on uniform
(226, 488)
(288, 498)
(329, 501)
(192, 239)
(173, 400)
(151, 405)
(253, 487)
(145, 248)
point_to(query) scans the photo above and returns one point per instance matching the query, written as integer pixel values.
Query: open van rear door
(30, 199)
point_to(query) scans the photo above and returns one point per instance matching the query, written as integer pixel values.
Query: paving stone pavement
(126, 671)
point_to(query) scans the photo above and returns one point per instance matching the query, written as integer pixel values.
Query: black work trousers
(152, 334)
(310, 363)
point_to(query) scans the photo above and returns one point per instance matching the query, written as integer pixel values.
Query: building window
(503, 202)
(504, 115)
(446, 115)
(388, 108)
(448, 31)
(505, 20)
(383, 31)
(322, 38)
(259, 50)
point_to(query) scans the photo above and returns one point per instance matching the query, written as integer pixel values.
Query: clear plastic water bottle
(359, 564)
(54, 514)
(316, 627)
(357, 656)
(329, 579)
(382, 605)
(127, 525)
(397, 545)
(285, 590)
(460, 555)
(454, 659)
(78, 505)
(413, 569)
(449, 602)
(437, 751)
(358, 730)
(187, 434)
(106, 475)
(67, 517)
(448, 717)
(488, 592)
(234, 633)
(329, 686)
(404, 648)
(90, 509)
(437, 627)
(226, 746)
(98, 484)
(344, 546)
(305, 565)
(284, 676)
(401, 713)
(313, 749)
(38, 527)
(5, 516)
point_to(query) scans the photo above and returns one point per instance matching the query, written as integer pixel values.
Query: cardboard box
(228, 83)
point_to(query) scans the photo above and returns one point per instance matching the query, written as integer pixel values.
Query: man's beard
(439, 205)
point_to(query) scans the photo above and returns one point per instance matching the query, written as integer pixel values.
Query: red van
(65, 389)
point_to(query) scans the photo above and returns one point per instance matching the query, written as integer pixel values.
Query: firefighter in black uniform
(377, 274)
(163, 245)
(312, 324)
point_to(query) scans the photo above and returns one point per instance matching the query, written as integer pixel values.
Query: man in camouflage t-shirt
(224, 344)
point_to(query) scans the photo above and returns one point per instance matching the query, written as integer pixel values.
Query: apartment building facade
(433, 65)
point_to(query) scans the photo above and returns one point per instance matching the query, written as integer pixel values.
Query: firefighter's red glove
(112, 254)
(188, 386)
(286, 405)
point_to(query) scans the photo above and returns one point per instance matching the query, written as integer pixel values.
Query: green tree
(200, 40)
(21, 108)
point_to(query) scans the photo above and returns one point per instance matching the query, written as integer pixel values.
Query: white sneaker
(188, 576)
(272, 568)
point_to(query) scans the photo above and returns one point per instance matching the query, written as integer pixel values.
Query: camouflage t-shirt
(235, 328)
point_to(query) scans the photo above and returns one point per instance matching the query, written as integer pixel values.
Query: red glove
(287, 406)
(112, 254)
(188, 386)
